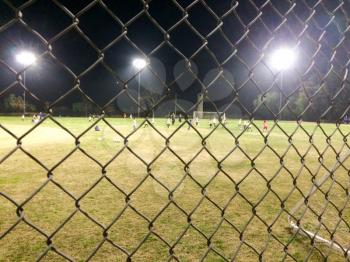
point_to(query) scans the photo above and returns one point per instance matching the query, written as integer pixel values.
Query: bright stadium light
(26, 58)
(139, 63)
(283, 58)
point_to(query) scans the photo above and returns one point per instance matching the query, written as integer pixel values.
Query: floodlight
(26, 58)
(283, 58)
(139, 63)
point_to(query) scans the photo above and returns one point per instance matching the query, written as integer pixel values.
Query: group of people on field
(37, 117)
(246, 125)
(171, 119)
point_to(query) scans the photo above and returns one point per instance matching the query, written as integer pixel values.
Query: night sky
(80, 31)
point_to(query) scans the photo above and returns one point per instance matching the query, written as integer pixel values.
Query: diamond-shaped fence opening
(184, 130)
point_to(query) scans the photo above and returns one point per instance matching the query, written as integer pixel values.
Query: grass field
(158, 194)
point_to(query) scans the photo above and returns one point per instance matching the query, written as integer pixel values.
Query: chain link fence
(231, 191)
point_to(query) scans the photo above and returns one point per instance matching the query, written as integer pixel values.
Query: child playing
(265, 126)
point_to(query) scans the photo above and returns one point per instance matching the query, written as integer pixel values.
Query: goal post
(208, 115)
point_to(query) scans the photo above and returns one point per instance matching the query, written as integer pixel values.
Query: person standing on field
(214, 121)
(173, 118)
(240, 123)
(189, 126)
(265, 126)
(34, 119)
(168, 122)
(134, 124)
(223, 121)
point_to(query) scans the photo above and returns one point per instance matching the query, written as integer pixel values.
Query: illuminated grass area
(179, 197)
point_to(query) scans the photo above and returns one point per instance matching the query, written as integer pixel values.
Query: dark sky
(122, 30)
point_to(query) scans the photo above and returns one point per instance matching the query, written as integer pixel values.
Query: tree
(311, 101)
(30, 107)
(149, 101)
(89, 107)
(270, 103)
(12, 103)
(62, 110)
(78, 107)
(314, 95)
(299, 103)
(110, 109)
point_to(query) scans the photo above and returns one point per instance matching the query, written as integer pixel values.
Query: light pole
(139, 64)
(25, 58)
(281, 60)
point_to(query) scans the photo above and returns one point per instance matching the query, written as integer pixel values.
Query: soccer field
(190, 194)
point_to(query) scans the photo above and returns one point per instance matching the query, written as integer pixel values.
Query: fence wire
(230, 36)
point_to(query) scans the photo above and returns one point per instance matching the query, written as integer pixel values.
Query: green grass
(148, 192)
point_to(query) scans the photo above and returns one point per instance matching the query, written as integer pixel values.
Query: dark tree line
(15, 104)
(326, 99)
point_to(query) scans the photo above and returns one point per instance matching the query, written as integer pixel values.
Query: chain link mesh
(282, 217)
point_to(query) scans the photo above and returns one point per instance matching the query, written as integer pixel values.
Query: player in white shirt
(168, 122)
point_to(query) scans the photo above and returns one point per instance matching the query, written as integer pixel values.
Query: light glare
(283, 58)
(139, 63)
(26, 58)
